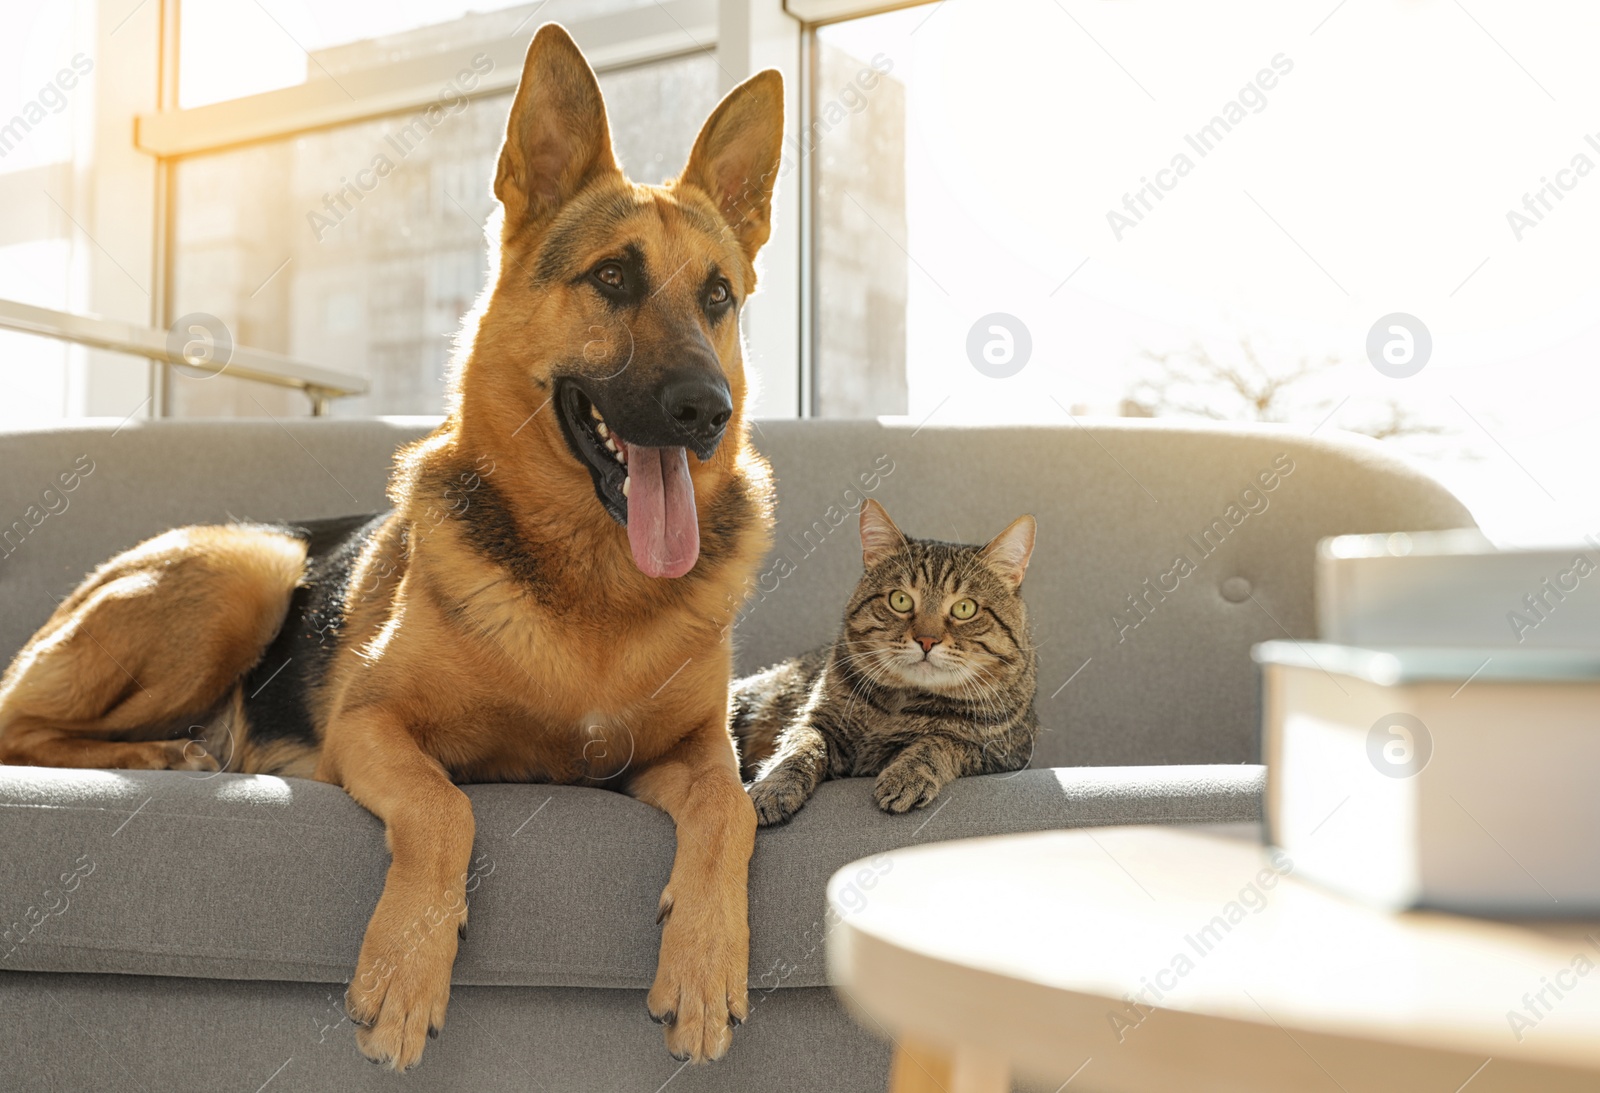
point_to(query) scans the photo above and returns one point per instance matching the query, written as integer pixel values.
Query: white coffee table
(1007, 957)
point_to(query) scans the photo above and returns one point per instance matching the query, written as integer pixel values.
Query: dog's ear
(735, 158)
(557, 140)
(880, 538)
(1008, 553)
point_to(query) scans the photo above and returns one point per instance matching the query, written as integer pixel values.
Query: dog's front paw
(776, 798)
(700, 988)
(401, 987)
(902, 787)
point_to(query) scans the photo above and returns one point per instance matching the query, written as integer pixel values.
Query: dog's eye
(610, 275)
(963, 609)
(900, 600)
(720, 294)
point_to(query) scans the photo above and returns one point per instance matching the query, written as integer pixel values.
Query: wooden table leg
(919, 1068)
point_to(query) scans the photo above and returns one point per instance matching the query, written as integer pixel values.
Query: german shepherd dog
(561, 565)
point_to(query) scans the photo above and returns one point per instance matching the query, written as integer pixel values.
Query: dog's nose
(699, 405)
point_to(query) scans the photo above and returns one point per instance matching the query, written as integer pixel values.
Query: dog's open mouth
(646, 490)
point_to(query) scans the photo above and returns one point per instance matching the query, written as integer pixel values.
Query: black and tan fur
(909, 691)
(500, 619)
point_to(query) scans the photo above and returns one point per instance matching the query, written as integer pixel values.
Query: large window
(362, 246)
(305, 191)
(1378, 218)
(43, 120)
(1245, 211)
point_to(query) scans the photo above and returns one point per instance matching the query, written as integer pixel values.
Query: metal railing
(321, 385)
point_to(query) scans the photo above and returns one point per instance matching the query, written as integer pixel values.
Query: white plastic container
(1460, 779)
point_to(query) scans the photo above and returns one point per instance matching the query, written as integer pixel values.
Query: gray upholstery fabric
(127, 1034)
(246, 877)
(1117, 503)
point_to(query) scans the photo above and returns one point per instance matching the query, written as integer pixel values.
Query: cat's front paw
(777, 797)
(900, 788)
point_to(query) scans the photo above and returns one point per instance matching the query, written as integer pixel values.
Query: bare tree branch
(1194, 383)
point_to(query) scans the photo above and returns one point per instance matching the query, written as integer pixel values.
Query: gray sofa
(177, 931)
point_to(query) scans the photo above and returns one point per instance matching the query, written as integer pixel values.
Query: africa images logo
(52, 99)
(1542, 201)
(1252, 99)
(452, 99)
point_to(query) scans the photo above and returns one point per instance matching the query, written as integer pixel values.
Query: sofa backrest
(1164, 552)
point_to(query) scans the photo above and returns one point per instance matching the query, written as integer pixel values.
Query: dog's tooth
(602, 430)
(626, 483)
(611, 445)
(619, 456)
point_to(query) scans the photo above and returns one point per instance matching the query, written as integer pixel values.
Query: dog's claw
(433, 1033)
(668, 1018)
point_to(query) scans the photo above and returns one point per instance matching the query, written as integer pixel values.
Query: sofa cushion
(254, 877)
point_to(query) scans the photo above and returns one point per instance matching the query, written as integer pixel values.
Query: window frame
(670, 29)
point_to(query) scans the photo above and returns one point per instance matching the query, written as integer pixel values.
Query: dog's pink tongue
(662, 527)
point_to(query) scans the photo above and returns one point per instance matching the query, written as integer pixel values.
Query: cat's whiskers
(986, 694)
(876, 679)
(971, 693)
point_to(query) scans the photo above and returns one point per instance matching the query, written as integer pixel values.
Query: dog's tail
(154, 639)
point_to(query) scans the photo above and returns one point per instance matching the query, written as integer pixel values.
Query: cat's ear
(1008, 552)
(879, 537)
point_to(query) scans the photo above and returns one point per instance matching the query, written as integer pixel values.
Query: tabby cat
(931, 677)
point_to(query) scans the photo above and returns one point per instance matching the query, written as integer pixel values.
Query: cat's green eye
(963, 609)
(900, 600)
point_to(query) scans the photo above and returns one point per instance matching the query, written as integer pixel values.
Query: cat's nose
(926, 643)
